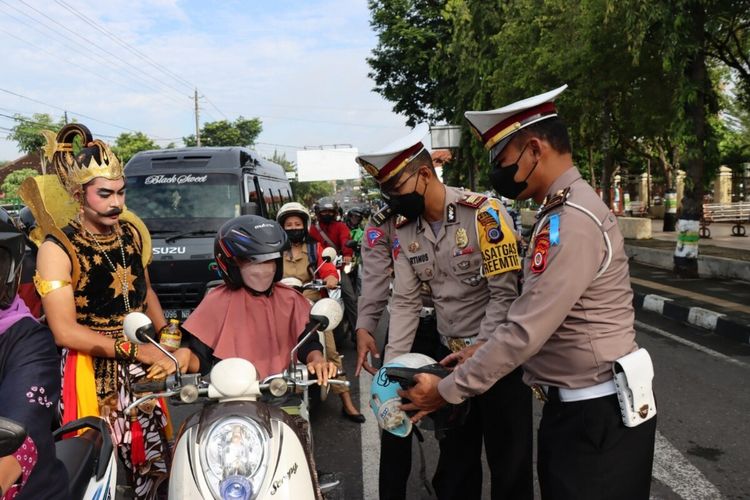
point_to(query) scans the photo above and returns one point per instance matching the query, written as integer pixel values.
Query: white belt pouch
(633, 375)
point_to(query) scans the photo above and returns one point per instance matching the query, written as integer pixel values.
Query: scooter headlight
(233, 455)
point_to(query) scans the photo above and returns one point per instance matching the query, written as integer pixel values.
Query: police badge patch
(373, 236)
(540, 253)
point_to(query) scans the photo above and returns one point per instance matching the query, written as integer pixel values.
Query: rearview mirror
(329, 254)
(137, 327)
(327, 309)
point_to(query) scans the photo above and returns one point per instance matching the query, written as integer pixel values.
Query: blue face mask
(502, 178)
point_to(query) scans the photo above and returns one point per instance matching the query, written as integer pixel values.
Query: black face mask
(410, 205)
(327, 218)
(296, 235)
(502, 178)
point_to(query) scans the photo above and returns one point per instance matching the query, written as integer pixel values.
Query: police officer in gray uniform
(461, 247)
(377, 267)
(572, 326)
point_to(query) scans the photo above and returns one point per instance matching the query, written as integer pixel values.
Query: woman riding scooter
(251, 316)
(29, 383)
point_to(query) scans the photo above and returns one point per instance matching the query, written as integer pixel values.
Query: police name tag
(633, 376)
(496, 241)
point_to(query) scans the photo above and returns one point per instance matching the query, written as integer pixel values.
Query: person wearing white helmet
(301, 261)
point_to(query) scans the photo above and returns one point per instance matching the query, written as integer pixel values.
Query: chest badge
(462, 239)
(413, 246)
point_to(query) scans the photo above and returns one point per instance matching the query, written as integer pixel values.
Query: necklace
(122, 277)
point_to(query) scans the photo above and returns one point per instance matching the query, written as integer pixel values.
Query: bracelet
(126, 350)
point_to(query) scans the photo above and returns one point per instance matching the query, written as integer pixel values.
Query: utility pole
(197, 128)
(66, 117)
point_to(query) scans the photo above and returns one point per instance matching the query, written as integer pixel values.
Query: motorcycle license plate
(180, 314)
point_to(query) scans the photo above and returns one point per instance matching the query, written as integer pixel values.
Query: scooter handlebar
(150, 386)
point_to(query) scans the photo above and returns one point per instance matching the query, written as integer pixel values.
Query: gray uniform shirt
(376, 277)
(450, 263)
(567, 327)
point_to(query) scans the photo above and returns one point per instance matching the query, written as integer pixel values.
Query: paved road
(702, 445)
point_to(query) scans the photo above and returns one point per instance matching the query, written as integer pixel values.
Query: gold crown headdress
(70, 169)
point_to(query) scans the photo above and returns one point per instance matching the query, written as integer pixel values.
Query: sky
(131, 65)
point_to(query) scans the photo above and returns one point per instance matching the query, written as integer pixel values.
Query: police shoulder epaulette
(382, 215)
(401, 221)
(554, 201)
(472, 200)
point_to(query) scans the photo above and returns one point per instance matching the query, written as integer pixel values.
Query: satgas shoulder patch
(497, 242)
(381, 216)
(554, 201)
(472, 200)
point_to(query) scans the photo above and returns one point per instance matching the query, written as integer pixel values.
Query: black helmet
(350, 215)
(12, 247)
(252, 238)
(326, 205)
(27, 220)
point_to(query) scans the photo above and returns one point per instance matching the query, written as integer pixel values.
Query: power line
(126, 45)
(86, 50)
(99, 47)
(215, 107)
(27, 120)
(73, 112)
(68, 61)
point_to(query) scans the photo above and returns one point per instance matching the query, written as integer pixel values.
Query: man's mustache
(110, 213)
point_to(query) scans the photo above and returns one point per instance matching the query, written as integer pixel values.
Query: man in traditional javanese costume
(92, 271)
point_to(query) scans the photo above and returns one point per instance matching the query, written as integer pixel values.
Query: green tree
(129, 143)
(241, 132)
(27, 132)
(14, 179)
(408, 32)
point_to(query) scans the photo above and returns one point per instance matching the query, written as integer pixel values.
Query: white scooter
(89, 457)
(238, 447)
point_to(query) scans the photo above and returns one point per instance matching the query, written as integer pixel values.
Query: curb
(705, 319)
(708, 266)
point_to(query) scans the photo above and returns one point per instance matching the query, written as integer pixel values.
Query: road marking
(692, 295)
(678, 474)
(370, 441)
(643, 326)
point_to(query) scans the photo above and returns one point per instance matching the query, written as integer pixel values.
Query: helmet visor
(264, 257)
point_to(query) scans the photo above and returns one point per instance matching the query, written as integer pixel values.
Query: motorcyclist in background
(332, 233)
(300, 261)
(353, 220)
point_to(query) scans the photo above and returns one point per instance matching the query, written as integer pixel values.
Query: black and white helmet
(12, 247)
(252, 238)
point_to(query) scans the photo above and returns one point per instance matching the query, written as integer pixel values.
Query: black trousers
(350, 302)
(395, 452)
(501, 418)
(585, 452)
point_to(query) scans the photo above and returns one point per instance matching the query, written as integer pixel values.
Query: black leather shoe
(357, 419)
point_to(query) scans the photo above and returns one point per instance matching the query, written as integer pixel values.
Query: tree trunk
(686, 251)
(591, 167)
(609, 158)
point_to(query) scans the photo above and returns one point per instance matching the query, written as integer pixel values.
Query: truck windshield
(176, 202)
